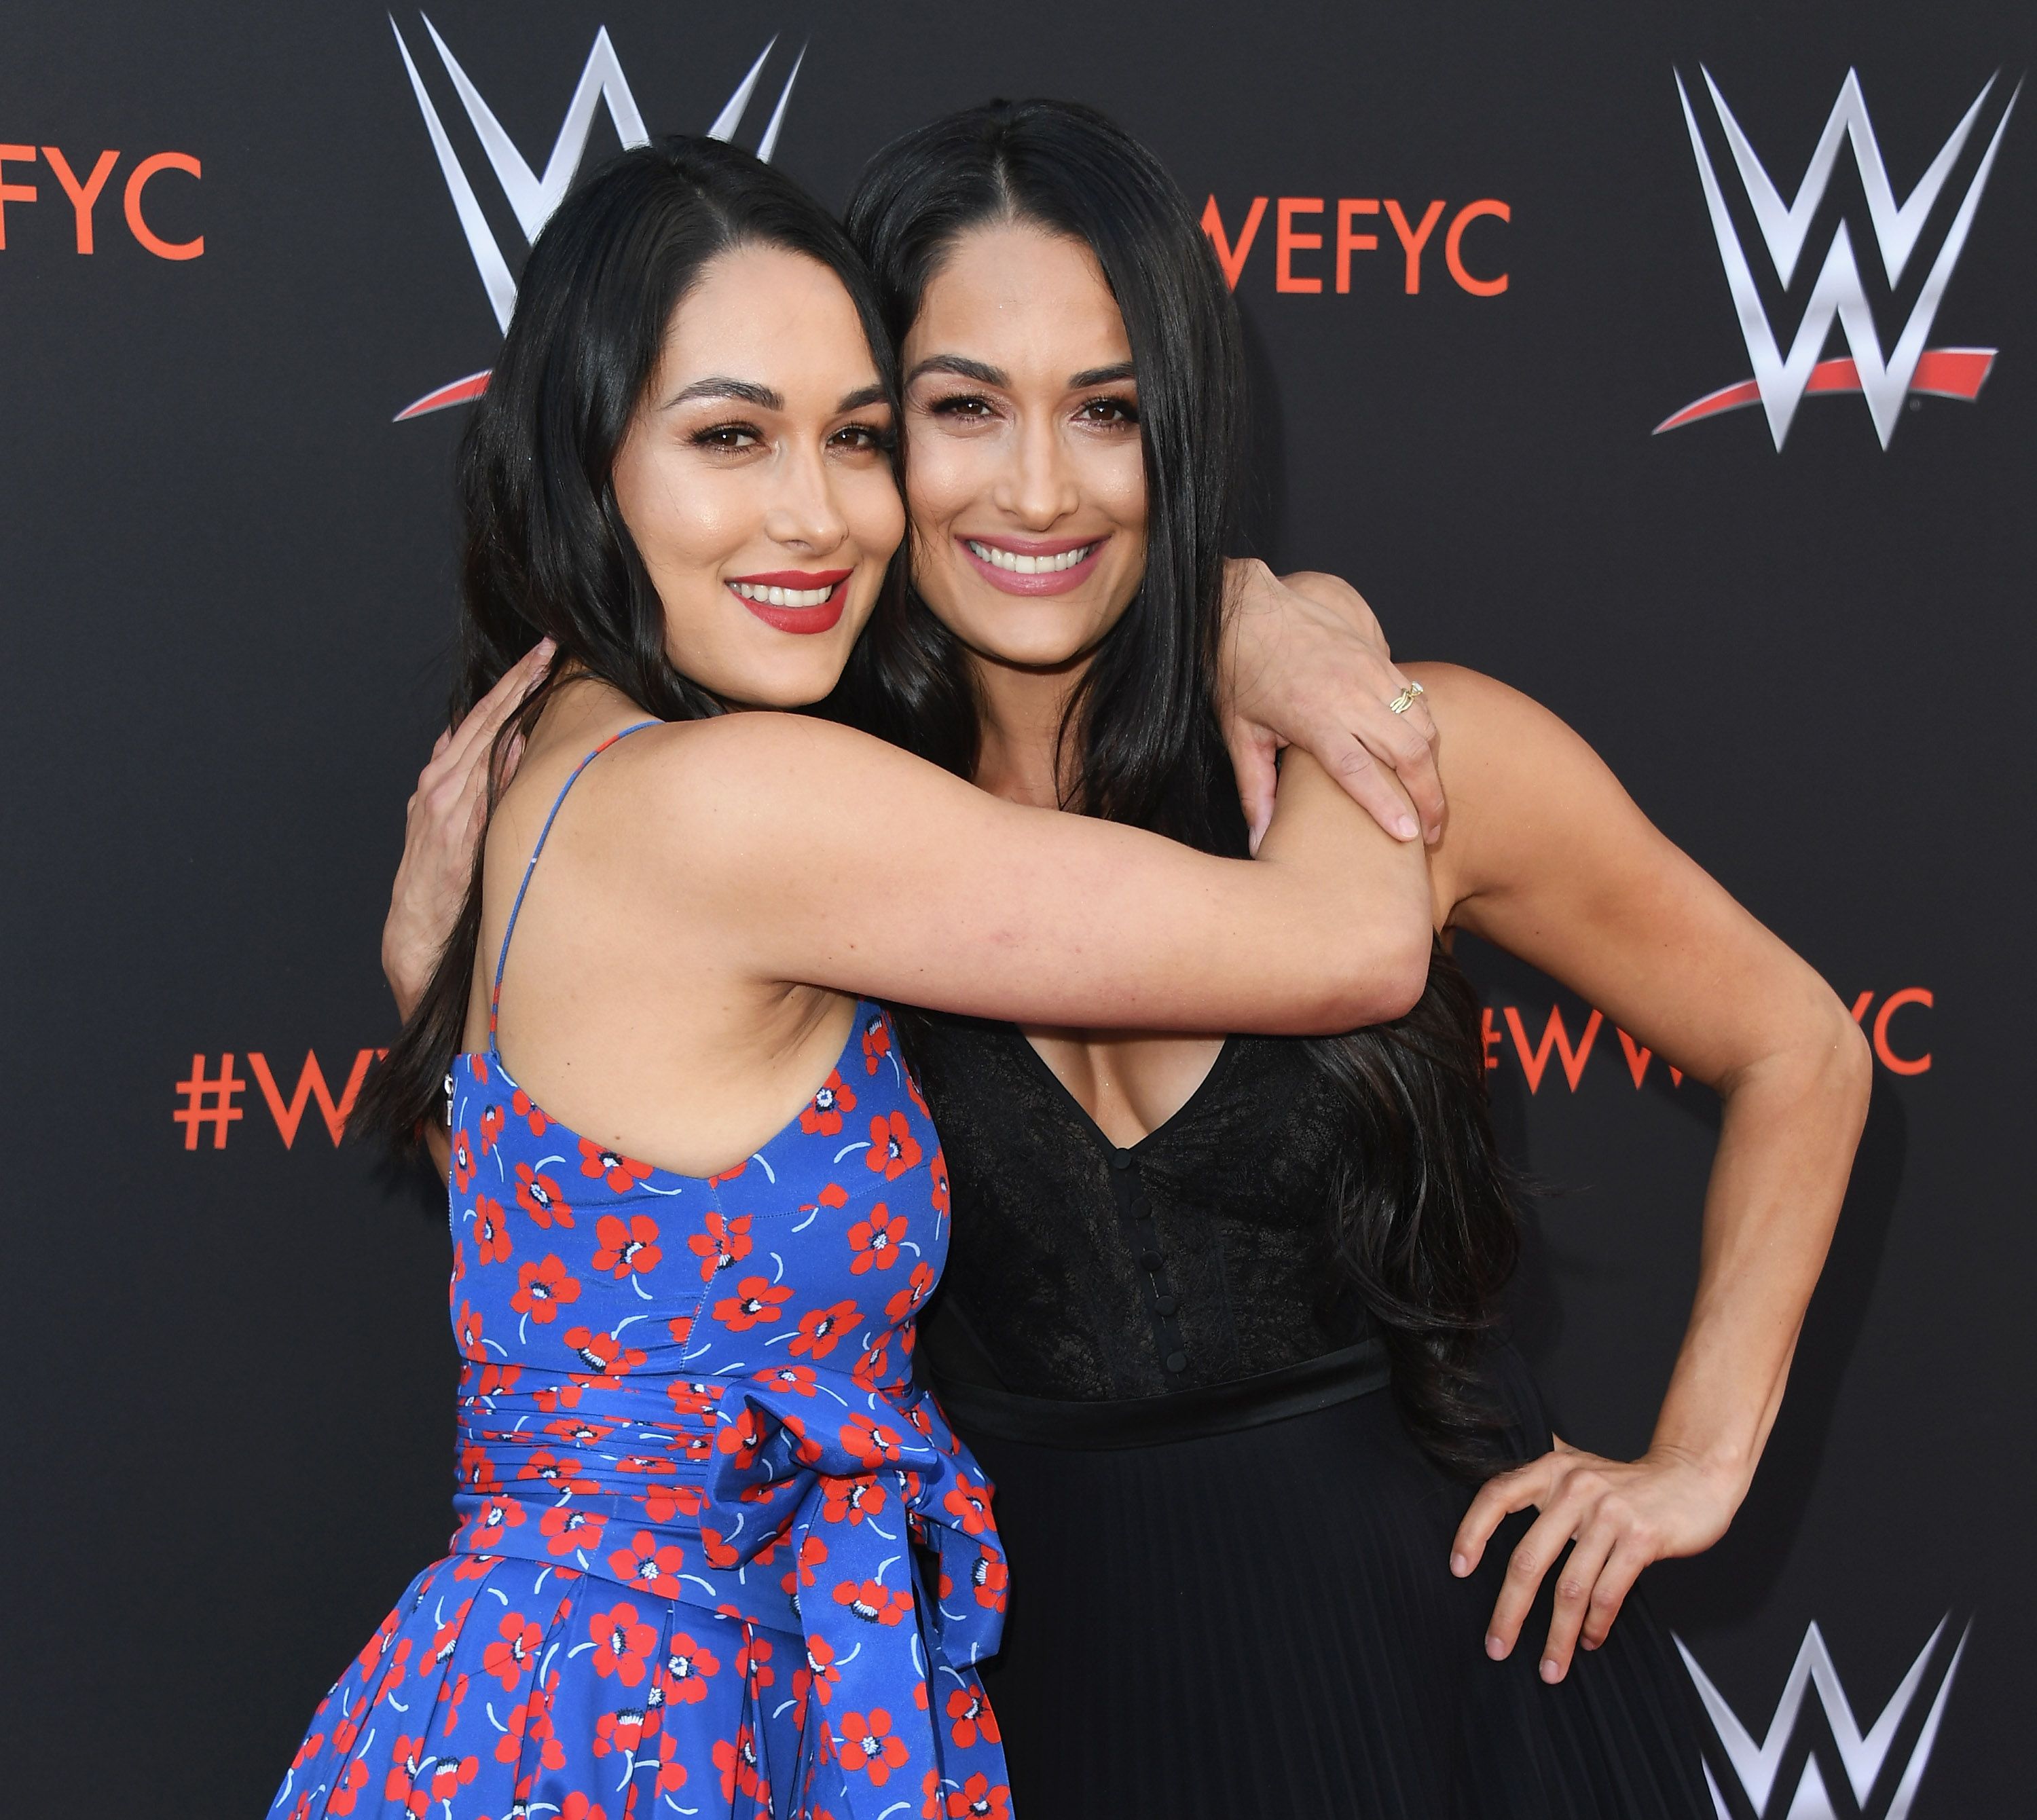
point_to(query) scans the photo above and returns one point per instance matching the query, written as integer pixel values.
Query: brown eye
(726, 436)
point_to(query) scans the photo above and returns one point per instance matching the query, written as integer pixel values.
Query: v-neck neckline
(1038, 1061)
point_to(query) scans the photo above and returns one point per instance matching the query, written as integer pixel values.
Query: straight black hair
(1423, 1225)
(545, 551)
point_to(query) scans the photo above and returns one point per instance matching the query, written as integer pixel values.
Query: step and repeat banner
(1674, 363)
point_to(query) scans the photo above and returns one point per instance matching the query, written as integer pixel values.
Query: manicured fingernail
(1405, 828)
(1460, 1565)
(1496, 1647)
(1552, 1670)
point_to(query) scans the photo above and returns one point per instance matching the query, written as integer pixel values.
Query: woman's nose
(1037, 487)
(805, 511)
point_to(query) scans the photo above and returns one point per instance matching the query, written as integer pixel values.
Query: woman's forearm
(1791, 1122)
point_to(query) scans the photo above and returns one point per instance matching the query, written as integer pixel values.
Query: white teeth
(782, 596)
(1030, 564)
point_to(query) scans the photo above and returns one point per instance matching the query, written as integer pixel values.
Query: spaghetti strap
(544, 833)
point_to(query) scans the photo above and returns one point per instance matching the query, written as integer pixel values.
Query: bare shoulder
(1478, 715)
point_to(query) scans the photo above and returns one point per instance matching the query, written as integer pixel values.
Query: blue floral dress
(717, 1555)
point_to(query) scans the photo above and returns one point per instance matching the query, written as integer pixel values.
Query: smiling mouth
(780, 601)
(1014, 563)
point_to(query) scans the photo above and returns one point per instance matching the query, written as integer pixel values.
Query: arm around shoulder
(821, 855)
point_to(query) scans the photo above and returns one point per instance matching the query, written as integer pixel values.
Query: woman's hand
(442, 827)
(1305, 664)
(1621, 1514)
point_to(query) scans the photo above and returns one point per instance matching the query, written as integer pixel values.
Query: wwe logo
(1781, 380)
(532, 197)
(1869, 1765)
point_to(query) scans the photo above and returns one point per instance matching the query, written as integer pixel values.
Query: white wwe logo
(1862, 1757)
(1781, 380)
(533, 197)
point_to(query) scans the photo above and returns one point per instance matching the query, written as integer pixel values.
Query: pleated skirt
(1264, 1622)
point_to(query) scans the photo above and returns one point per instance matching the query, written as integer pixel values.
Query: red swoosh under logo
(460, 392)
(1943, 372)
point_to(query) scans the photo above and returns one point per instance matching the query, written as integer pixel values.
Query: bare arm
(935, 893)
(1548, 858)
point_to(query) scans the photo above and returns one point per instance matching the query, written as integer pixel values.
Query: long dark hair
(545, 550)
(1423, 1223)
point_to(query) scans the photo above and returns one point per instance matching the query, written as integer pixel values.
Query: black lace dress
(1231, 1594)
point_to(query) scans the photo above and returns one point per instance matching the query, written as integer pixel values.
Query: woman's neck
(1021, 729)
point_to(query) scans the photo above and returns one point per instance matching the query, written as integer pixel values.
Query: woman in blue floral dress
(716, 1554)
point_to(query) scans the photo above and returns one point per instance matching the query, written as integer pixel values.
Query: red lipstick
(820, 617)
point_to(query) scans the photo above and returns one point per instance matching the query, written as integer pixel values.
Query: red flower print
(452, 1693)
(820, 1329)
(498, 1379)
(623, 1730)
(626, 1248)
(512, 1650)
(875, 1241)
(576, 1432)
(662, 1503)
(394, 1670)
(540, 1197)
(755, 1299)
(681, 1328)
(622, 1642)
(467, 1331)
(813, 1551)
(876, 1044)
(463, 1161)
(306, 1750)
(971, 1713)
(562, 1474)
(869, 1744)
(542, 1287)
(743, 1438)
(648, 1563)
(892, 1149)
(800, 1379)
(622, 1173)
(971, 1503)
(873, 1603)
(692, 1398)
(834, 1196)
(445, 1778)
(737, 1761)
(491, 1128)
(869, 1370)
(869, 1441)
(824, 1113)
(938, 1168)
(530, 1723)
(728, 1175)
(526, 1109)
(347, 1790)
(721, 1244)
(752, 1661)
(683, 1675)
(989, 1578)
(906, 1304)
(491, 1230)
(470, 1567)
(977, 1800)
(820, 1669)
(579, 1808)
(672, 1773)
(477, 1470)
(553, 1398)
(603, 1355)
(933, 1807)
(850, 1500)
(496, 1515)
(566, 1530)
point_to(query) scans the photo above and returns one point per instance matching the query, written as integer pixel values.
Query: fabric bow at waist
(804, 1521)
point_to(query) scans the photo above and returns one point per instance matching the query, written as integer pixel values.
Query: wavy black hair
(545, 551)
(1423, 1224)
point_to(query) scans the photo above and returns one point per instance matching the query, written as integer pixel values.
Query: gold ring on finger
(1411, 693)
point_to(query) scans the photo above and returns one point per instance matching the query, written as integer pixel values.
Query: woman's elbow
(1387, 981)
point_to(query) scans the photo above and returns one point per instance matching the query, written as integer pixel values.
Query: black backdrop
(226, 575)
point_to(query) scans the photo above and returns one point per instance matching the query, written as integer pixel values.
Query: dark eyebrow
(1103, 377)
(870, 394)
(961, 367)
(748, 392)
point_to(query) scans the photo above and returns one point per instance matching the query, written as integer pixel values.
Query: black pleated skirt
(1263, 1621)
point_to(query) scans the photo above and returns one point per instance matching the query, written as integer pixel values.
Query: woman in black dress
(1244, 1581)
